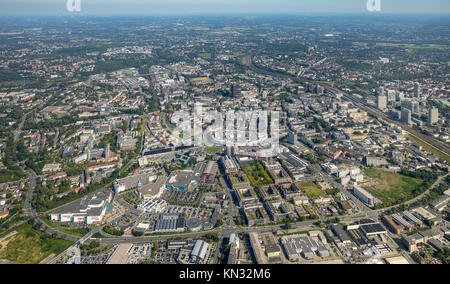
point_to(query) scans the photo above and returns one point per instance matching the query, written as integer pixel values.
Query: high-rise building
(406, 116)
(292, 138)
(391, 95)
(433, 115)
(382, 102)
(381, 91)
(235, 91)
(417, 90)
(107, 153)
(412, 105)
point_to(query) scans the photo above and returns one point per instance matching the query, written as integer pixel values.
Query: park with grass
(31, 246)
(311, 190)
(394, 188)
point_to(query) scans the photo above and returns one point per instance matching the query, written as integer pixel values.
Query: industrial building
(341, 234)
(368, 227)
(170, 223)
(199, 251)
(303, 245)
(391, 225)
(440, 203)
(89, 209)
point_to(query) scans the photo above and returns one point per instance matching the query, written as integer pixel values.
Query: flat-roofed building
(256, 248)
(303, 245)
(440, 203)
(229, 165)
(342, 235)
(199, 251)
(134, 181)
(364, 195)
(391, 225)
(183, 180)
(90, 209)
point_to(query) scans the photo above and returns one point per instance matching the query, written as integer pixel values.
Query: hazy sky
(149, 7)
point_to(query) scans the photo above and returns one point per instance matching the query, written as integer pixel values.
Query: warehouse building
(391, 225)
(341, 234)
(90, 209)
(399, 219)
(170, 223)
(440, 203)
(303, 245)
(368, 227)
(199, 251)
(412, 218)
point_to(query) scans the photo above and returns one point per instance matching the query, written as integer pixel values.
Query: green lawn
(212, 150)
(393, 188)
(30, 246)
(81, 232)
(311, 190)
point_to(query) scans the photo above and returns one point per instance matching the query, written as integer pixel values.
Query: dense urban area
(95, 169)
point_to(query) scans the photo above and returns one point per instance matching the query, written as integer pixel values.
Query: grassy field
(205, 55)
(311, 190)
(30, 246)
(81, 232)
(430, 148)
(393, 188)
(212, 150)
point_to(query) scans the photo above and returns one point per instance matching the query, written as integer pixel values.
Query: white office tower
(381, 91)
(433, 115)
(382, 102)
